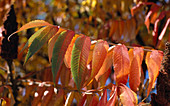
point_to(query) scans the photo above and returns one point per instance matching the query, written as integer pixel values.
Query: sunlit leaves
(127, 96)
(153, 62)
(121, 63)
(79, 58)
(59, 51)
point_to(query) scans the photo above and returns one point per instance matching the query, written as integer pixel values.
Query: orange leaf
(106, 64)
(32, 24)
(135, 68)
(99, 55)
(67, 58)
(127, 96)
(103, 99)
(121, 63)
(153, 62)
(113, 98)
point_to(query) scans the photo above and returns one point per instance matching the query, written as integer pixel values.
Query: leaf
(127, 96)
(135, 68)
(51, 43)
(94, 101)
(65, 75)
(103, 99)
(153, 62)
(40, 40)
(113, 98)
(69, 99)
(99, 55)
(79, 58)
(38, 95)
(59, 51)
(32, 24)
(106, 64)
(69, 51)
(121, 63)
(47, 97)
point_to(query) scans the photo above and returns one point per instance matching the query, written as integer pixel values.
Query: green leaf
(79, 59)
(40, 40)
(59, 51)
(32, 24)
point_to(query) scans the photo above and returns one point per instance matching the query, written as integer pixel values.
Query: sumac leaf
(121, 63)
(79, 59)
(153, 62)
(59, 51)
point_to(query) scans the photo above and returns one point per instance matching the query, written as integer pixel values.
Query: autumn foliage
(79, 65)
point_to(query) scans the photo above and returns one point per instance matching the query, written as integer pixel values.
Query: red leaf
(135, 68)
(127, 96)
(121, 63)
(153, 62)
(103, 99)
